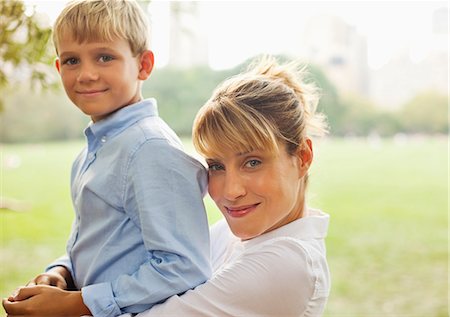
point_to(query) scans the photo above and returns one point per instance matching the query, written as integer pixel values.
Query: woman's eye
(105, 58)
(215, 167)
(253, 163)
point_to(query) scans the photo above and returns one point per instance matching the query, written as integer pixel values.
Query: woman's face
(257, 191)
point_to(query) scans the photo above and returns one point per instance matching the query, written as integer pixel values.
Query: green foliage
(181, 92)
(329, 102)
(33, 117)
(387, 123)
(427, 112)
(359, 115)
(24, 47)
(387, 241)
(48, 115)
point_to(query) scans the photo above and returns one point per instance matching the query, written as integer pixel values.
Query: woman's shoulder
(304, 237)
(290, 253)
(222, 243)
(299, 261)
(287, 246)
(294, 268)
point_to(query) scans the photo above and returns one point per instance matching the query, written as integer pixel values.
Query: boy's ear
(146, 63)
(58, 65)
(305, 157)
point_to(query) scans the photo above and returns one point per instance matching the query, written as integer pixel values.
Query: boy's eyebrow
(94, 50)
(68, 53)
(103, 48)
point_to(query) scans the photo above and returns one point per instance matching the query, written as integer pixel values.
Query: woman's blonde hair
(103, 20)
(254, 110)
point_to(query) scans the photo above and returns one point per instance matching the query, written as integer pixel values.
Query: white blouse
(281, 273)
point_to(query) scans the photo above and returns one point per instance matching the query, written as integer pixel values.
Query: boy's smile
(102, 77)
(91, 93)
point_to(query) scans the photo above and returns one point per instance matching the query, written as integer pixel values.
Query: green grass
(387, 243)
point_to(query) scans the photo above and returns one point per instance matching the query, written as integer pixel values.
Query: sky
(237, 30)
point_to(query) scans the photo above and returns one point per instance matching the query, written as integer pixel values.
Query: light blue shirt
(140, 232)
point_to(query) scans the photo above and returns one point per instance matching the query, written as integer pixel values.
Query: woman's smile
(241, 211)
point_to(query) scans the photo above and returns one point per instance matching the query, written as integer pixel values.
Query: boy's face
(102, 77)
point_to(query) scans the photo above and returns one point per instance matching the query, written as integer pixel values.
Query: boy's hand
(58, 276)
(49, 278)
(44, 300)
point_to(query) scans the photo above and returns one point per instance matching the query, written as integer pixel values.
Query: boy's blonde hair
(103, 20)
(257, 109)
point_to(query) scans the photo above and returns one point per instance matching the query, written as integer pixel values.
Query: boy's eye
(70, 61)
(105, 58)
(253, 163)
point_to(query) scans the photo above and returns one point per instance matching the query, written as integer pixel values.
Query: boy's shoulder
(151, 130)
(152, 137)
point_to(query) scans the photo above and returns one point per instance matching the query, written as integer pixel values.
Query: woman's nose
(234, 186)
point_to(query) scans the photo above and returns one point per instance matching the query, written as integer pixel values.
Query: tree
(24, 50)
(24, 53)
(329, 103)
(427, 112)
(359, 116)
(181, 92)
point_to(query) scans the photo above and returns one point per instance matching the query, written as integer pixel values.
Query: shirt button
(91, 156)
(103, 139)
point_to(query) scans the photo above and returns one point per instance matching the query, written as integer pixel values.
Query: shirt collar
(122, 119)
(314, 225)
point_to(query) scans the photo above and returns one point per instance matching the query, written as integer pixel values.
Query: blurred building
(403, 77)
(338, 48)
(341, 52)
(188, 44)
(440, 21)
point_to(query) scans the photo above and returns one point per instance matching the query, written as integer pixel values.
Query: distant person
(269, 256)
(140, 233)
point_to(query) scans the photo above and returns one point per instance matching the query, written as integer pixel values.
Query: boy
(140, 234)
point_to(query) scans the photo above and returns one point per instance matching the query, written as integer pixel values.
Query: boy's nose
(87, 73)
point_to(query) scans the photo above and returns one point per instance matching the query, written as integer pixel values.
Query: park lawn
(387, 243)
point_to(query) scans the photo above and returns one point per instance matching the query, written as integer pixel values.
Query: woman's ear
(146, 62)
(305, 157)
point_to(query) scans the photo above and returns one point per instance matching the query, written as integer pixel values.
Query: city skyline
(386, 51)
(237, 30)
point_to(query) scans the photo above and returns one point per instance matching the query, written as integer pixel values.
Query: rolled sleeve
(99, 298)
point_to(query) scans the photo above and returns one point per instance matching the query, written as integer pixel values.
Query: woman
(269, 257)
